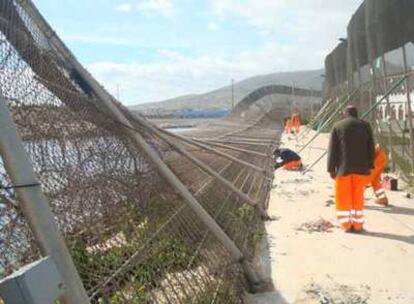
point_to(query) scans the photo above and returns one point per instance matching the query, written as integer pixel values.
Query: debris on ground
(336, 294)
(329, 203)
(320, 225)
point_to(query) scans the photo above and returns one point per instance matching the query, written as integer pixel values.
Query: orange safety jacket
(288, 125)
(380, 160)
(296, 120)
(379, 165)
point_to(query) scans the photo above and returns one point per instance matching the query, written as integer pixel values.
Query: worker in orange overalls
(296, 121)
(350, 161)
(288, 125)
(379, 166)
(287, 159)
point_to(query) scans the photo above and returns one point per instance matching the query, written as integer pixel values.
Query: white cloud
(176, 74)
(169, 54)
(310, 24)
(124, 7)
(299, 33)
(164, 8)
(213, 26)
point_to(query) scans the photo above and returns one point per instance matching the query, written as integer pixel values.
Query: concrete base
(265, 298)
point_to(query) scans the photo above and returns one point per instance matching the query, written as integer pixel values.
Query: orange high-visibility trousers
(379, 166)
(288, 125)
(293, 165)
(296, 122)
(349, 197)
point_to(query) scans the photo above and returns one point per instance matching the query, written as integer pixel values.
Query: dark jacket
(351, 148)
(288, 155)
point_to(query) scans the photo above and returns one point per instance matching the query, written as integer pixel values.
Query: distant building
(398, 107)
(207, 113)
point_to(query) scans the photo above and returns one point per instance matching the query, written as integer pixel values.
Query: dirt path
(313, 262)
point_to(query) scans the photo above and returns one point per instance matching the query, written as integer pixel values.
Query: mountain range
(222, 97)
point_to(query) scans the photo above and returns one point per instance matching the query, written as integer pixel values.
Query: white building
(399, 107)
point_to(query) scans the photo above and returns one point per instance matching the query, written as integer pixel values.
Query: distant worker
(288, 125)
(287, 159)
(296, 121)
(350, 161)
(380, 162)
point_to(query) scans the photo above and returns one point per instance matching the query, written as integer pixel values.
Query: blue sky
(159, 49)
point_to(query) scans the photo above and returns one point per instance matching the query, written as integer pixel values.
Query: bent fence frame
(330, 119)
(363, 116)
(35, 203)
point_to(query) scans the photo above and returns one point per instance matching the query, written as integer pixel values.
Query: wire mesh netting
(377, 53)
(131, 236)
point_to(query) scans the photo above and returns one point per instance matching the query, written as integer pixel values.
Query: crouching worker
(287, 159)
(379, 165)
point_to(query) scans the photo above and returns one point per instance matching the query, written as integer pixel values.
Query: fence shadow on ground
(390, 236)
(392, 209)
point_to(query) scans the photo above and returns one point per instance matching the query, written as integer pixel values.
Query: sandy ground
(334, 267)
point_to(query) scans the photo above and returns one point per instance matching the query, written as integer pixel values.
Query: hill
(221, 98)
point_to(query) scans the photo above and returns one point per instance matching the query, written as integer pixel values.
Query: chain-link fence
(128, 225)
(377, 53)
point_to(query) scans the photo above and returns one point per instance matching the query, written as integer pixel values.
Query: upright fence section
(377, 53)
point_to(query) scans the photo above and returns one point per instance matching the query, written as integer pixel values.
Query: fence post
(330, 119)
(372, 108)
(35, 206)
(409, 109)
(389, 118)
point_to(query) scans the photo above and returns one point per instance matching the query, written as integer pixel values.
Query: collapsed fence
(129, 213)
(376, 55)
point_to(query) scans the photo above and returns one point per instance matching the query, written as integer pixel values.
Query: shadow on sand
(392, 209)
(263, 264)
(390, 236)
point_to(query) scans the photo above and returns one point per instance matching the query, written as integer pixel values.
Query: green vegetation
(215, 294)
(240, 221)
(164, 255)
(247, 215)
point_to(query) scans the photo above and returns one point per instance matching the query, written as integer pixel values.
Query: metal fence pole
(372, 108)
(314, 121)
(161, 132)
(389, 118)
(409, 109)
(373, 99)
(35, 206)
(329, 120)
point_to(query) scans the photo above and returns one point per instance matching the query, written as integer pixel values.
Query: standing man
(350, 160)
